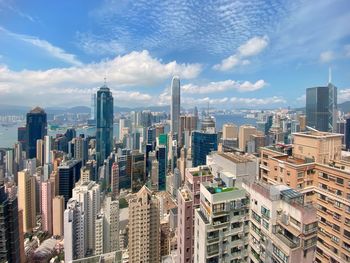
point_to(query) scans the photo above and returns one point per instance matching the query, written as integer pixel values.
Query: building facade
(104, 124)
(144, 227)
(321, 108)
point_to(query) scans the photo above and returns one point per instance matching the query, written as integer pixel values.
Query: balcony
(213, 240)
(212, 253)
(290, 243)
(202, 216)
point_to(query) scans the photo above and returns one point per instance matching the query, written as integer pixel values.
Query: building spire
(329, 75)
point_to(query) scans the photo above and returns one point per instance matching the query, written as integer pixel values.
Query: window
(218, 208)
(256, 217)
(336, 216)
(265, 224)
(265, 212)
(338, 192)
(300, 174)
(346, 233)
(294, 221)
(323, 175)
(340, 180)
(323, 186)
(337, 204)
(336, 227)
(280, 254)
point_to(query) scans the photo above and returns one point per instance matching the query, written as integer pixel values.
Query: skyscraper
(202, 144)
(162, 167)
(46, 206)
(36, 129)
(57, 217)
(321, 108)
(175, 105)
(68, 175)
(75, 231)
(347, 134)
(245, 131)
(88, 194)
(104, 133)
(9, 237)
(144, 225)
(26, 199)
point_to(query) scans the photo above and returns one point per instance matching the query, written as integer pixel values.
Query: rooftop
(37, 109)
(292, 160)
(217, 189)
(202, 170)
(317, 134)
(235, 157)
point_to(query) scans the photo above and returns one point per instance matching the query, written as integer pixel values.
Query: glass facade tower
(321, 108)
(104, 123)
(202, 144)
(36, 129)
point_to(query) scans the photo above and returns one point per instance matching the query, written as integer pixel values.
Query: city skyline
(234, 54)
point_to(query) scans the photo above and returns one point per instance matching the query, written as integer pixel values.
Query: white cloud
(327, 56)
(220, 86)
(94, 45)
(46, 46)
(73, 85)
(343, 95)
(252, 47)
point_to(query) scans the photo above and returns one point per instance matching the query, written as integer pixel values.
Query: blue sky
(257, 54)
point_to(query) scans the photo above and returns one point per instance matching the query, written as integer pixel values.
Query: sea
(8, 134)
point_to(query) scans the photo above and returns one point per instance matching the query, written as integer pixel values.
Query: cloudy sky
(236, 53)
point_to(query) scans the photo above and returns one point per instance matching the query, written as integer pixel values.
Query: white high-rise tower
(175, 105)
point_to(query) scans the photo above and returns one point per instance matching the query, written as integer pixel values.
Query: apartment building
(221, 224)
(282, 227)
(144, 227)
(188, 201)
(314, 169)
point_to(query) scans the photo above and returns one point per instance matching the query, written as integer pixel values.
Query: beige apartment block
(322, 147)
(144, 227)
(245, 132)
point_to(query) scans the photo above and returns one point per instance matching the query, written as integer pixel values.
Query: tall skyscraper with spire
(175, 105)
(36, 129)
(321, 107)
(104, 123)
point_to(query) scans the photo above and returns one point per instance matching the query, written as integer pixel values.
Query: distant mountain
(13, 109)
(19, 110)
(151, 108)
(344, 107)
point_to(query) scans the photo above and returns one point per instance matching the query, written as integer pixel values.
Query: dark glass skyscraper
(321, 108)
(162, 167)
(104, 123)
(347, 134)
(202, 144)
(68, 175)
(9, 237)
(36, 129)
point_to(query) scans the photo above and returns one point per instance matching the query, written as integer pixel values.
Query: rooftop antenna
(105, 80)
(329, 75)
